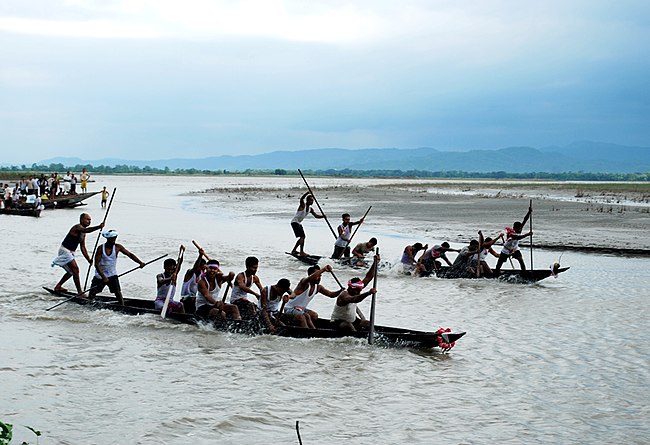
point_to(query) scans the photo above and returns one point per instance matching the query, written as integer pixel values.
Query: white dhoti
(63, 259)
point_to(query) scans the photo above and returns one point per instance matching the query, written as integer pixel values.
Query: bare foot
(59, 289)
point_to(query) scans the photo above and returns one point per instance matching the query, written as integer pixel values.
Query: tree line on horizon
(15, 172)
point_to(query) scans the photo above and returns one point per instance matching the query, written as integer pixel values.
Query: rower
(76, 237)
(106, 266)
(408, 256)
(485, 249)
(342, 243)
(269, 303)
(163, 282)
(208, 303)
(511, 246)
(344, 316)
(243, 286)
(430, 259)
(191, 279)
(296, 311)
(461, 267)
(361, 249)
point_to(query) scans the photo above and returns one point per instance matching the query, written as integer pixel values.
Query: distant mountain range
(582, 156)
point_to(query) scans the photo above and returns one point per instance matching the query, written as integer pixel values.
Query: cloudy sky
(156, 79)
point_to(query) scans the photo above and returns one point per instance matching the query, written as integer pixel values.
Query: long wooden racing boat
(384, 335)
(22, 211)
(71, 200)
(510, 275)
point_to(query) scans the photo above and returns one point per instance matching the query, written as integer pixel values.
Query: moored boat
(22, 211)
(384, 335)
(71, 200)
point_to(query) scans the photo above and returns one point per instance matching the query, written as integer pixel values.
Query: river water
(562, 361)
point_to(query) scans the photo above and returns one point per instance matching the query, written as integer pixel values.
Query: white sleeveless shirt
(302, 300)
(300, 215)
(214, 293)
(347, 313)
(272, 306)
(108, 263)
(237, 292)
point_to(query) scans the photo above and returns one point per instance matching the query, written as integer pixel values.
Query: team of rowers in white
(275, 304)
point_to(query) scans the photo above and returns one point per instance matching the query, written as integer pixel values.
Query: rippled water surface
(562, 361)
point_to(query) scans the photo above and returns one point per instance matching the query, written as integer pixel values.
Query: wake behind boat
(384, 335)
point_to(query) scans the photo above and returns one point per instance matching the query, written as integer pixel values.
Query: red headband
(356, 284)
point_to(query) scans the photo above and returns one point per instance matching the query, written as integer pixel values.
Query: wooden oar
(319, 207)
(225, 294)
(355, 231)
(172, 282)
(201, 250)
(92, 257)
(90, 288)
(371, 329)
(531, 235)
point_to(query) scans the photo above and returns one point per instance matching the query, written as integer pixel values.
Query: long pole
(531, 235)
(120, 275)
(92, 257)
(371, 330)
(354, 232)
(319, 207)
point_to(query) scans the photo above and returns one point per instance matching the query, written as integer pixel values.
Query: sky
(160, 79)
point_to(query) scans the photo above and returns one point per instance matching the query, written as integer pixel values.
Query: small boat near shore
(384, 335)
(22, 211)
(67, 201)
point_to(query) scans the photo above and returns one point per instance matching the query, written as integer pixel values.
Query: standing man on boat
(344, 316)
(342, 243)
(76, 237)
(511, 246)
(295, 310)
(106, 266)
(85, 176)
(304, 209)
(244, 285)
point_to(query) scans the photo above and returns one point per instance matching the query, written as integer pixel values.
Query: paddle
(172, 282)
(319, 207)
(225, 294)
(98, 236)
(201, 250)
(122, 274)
(355, 231)
(371, 329)
(531, 235)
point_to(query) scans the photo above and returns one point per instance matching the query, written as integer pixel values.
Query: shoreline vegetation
(15, 172)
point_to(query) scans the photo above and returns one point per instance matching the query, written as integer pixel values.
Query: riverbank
(591, 217)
